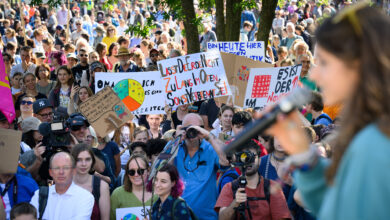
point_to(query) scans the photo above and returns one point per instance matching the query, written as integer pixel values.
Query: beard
(252, 170)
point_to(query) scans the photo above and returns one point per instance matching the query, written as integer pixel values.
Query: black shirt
(210, 109)
(78, 72)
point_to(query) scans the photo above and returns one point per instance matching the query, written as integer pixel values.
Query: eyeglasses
(65, 168)
(26, 102)
(77, 127)
(50, 114)
(83, 55)
(139, 171)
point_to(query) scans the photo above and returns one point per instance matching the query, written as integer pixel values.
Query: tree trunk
(192, 35)
(220, 16)
(233, 20)
(267, 15)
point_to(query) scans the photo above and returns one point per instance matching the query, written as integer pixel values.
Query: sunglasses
(83, 55)
(154, 55)
(78, 24)
(139, 171)
(26, 102)
(77, 127)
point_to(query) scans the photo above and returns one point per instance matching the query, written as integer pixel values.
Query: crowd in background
(51, 64)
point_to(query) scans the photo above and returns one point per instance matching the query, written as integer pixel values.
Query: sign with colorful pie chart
(131, 93)
(141, 92)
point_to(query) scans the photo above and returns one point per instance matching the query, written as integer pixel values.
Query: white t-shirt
(6, 202)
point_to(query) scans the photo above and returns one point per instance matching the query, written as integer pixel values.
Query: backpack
(266, 190)
(226, 174)
(323, 116)
(43, 197)
(179, 199)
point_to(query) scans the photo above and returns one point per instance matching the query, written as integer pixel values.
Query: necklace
(278, 158)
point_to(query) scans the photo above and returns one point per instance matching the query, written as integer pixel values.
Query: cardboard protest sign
(267, 85)
(105, 111)
(251, 49)
(237, 71)
(132, 213)
(193, 77)
(9, 150)
(142, 92)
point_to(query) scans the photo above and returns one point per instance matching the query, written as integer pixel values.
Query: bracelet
(304, 161)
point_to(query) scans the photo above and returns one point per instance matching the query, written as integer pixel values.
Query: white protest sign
(131, 213)
(267, 85)
(193, 77)
(251, 49)
(142, 92)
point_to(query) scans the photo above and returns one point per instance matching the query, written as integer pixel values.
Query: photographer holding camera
(260, 199)
(198, 162)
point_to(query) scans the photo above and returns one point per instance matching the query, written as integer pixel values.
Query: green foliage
(108, 4)
(144, 31)
(51, 3)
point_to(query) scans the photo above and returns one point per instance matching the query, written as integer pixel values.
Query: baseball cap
(30, 124)
(76, 120)
(71, 55)
(40, 104)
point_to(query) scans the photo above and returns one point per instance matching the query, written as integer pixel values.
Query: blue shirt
(26, 187)
(200, 190)
(323, 119)
(360, 189)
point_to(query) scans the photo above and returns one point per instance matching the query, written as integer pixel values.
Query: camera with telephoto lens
(191, 132)
(243, 158)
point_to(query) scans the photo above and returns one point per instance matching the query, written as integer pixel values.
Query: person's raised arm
(216, 143)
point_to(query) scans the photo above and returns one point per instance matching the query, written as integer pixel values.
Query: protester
(60, 95)
(77, 202)
(345, 74)
(85, 161)
(81, 94)
(23, 211)
(44, 85)
(168, 186)
(133, 192)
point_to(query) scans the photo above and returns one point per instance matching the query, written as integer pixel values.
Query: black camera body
(190, 132)
(55, 134)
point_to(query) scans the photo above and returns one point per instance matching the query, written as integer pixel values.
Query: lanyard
(15, 190)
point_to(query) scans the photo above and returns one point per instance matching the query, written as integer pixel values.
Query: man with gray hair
(198, 162)
(291, 36)
(65, 199)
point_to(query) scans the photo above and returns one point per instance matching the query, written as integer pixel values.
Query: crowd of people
(51, 56)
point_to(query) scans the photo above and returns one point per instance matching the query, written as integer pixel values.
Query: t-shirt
(111, 149)
(64, 98)
(120, 198)
(260, 209)
(78, 72)
(210, 109)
